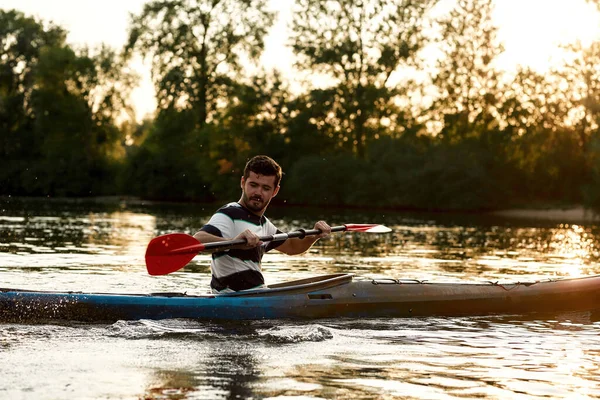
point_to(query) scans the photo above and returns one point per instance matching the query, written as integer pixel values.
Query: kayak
(327, 296)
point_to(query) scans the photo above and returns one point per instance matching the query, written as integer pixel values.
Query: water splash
(296, 334)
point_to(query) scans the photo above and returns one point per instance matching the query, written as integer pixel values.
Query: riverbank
(571, 214)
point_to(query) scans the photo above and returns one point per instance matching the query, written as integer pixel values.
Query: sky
(530, 29)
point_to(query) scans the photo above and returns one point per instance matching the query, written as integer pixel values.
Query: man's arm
(298, 246)
(252, 240)
(205, 237)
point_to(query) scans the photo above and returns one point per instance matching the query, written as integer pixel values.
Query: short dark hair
(263, 165)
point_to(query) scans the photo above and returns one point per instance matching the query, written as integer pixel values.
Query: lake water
(94, 246)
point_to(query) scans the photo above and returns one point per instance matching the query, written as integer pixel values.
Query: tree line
(389, 128)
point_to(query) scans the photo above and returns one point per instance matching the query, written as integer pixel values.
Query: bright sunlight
(534, 30)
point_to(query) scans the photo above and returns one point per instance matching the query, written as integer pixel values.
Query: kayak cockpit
(298, 286)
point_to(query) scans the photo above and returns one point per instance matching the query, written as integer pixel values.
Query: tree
(76, 102)
(57, 111)
(358, 46)
(197, 48)
(468, 85)
(256, 122)
(581, 77)
(21, 41)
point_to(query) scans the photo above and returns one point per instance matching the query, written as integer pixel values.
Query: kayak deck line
(392, 281)
(326, 296)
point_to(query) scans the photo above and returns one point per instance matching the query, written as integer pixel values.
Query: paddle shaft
(300, 233)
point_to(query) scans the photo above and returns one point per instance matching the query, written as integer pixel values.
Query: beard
(256, 204)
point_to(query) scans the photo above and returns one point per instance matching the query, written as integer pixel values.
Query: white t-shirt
(238, 269)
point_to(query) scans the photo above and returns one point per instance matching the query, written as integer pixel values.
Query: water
(94, 246)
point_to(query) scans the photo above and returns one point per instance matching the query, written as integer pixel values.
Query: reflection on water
(222, 376)
(428, 358)
(88, 245)
(37, 235)
(101, 233)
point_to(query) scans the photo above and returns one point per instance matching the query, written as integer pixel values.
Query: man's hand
(252, 240)
(324, 228)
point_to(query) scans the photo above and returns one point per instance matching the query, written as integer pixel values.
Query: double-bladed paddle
(171, 252)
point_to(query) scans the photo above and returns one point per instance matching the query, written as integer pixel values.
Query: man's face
(257, 192)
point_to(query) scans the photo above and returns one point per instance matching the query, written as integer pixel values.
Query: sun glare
(572, 247)
(534, 30)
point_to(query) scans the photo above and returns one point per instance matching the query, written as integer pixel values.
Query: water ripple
(87, 247)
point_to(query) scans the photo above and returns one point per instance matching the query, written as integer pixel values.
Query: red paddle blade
(168, 253)
(369, 228)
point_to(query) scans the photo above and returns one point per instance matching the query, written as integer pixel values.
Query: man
(239, 268)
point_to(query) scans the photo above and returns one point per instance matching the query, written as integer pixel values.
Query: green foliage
(553, 165)
(409, 173)
(591, 189)
(57, 112)
(170, 163)
(315, 180)
(21, 39)
(255, 123)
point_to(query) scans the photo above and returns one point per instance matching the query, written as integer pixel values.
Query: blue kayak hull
(329, 296)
